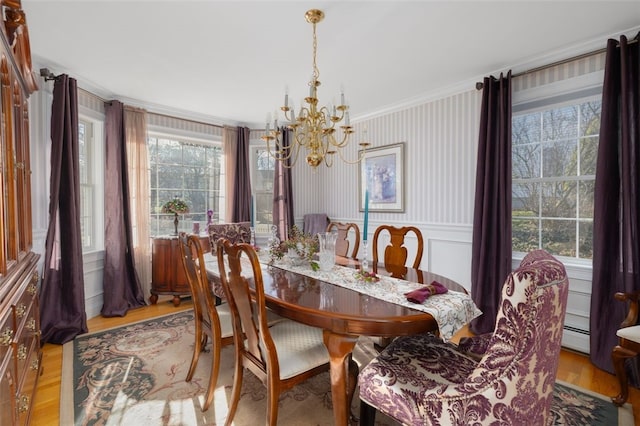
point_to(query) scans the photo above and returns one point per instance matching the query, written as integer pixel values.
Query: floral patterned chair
(506, 378)
(239, 232)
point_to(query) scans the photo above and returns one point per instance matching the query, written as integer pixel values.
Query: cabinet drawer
(7, 332)
(25, 396)
(7, 391)
(23, 305)
(26, 344)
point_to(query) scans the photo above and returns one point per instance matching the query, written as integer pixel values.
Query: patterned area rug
(135, 375)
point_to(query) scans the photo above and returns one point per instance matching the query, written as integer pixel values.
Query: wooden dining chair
(628, 344)
(282, 355)
(211, 321)
(395, 253)
(342, 242)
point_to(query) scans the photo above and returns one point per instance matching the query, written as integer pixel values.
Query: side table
(167, 273)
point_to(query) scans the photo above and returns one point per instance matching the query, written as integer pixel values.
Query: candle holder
(364, 263)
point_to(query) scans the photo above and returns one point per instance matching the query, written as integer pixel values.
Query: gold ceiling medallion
(314, 128)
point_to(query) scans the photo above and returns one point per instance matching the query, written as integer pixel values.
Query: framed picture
(382, 175)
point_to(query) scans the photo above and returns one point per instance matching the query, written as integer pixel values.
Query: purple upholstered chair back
(518, 370)
(423, 380)
(238, 232)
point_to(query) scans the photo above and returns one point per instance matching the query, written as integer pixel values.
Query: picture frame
(382, 173)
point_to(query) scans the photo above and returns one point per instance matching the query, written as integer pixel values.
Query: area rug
(135, 374)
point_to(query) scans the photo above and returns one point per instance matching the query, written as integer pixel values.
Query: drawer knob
(23, 404)
(31, 324)
(6, 336)
(20, 310)
(22, 352)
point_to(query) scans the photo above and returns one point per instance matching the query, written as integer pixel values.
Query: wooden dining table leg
(340, 347)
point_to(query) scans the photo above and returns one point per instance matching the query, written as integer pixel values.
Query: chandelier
(314, 128)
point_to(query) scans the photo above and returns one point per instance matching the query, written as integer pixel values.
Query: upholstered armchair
(629, 344)
(424, 380)
(237, 232)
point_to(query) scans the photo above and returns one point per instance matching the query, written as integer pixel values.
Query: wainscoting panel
(93, 283)
(449, 259)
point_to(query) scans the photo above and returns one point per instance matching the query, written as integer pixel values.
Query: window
(262, 184)
(190, 170)
(91, 159)
(554, 156)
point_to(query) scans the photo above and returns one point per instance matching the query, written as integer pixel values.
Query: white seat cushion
(300, 347)
(630, 333)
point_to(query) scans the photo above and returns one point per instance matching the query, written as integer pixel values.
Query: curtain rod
(480, 84)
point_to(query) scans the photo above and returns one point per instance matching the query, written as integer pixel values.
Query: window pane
(585, 208)
(525, 199)
(559, 159)
(525, 129)
(264, 208)
(590, 118)
(559, 237)
(559, 199)
(588, 155)
(169, 152)
(524, 234)
(560, 123)
(526, 161)
(586, 239)
(170, 177)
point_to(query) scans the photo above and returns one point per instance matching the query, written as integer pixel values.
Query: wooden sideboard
(167, 273)
(20, 352)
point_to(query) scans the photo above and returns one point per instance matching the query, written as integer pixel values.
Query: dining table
(346, 307)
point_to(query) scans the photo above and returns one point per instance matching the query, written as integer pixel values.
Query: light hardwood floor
(574, 367)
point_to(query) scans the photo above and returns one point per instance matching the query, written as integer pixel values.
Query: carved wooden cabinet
(20, 352)
(167, 272)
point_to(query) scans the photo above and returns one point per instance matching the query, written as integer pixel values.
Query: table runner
(452, 310)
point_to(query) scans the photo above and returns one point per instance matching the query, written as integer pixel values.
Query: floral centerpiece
(299, 247)
(175, 206)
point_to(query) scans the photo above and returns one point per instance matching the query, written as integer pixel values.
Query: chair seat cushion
(630, 333)
(300, 347)
(407, 369)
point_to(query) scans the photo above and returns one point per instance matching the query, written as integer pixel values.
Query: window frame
(253, 158)
(95, 167)
(570, 91)
(187, 139)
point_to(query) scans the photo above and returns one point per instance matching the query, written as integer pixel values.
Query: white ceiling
(230, 61)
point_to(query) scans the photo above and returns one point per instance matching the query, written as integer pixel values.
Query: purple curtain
(616, 216)
(242, 199)
(491, 247)
(122, 290)
(62, 313)
(283, 192)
